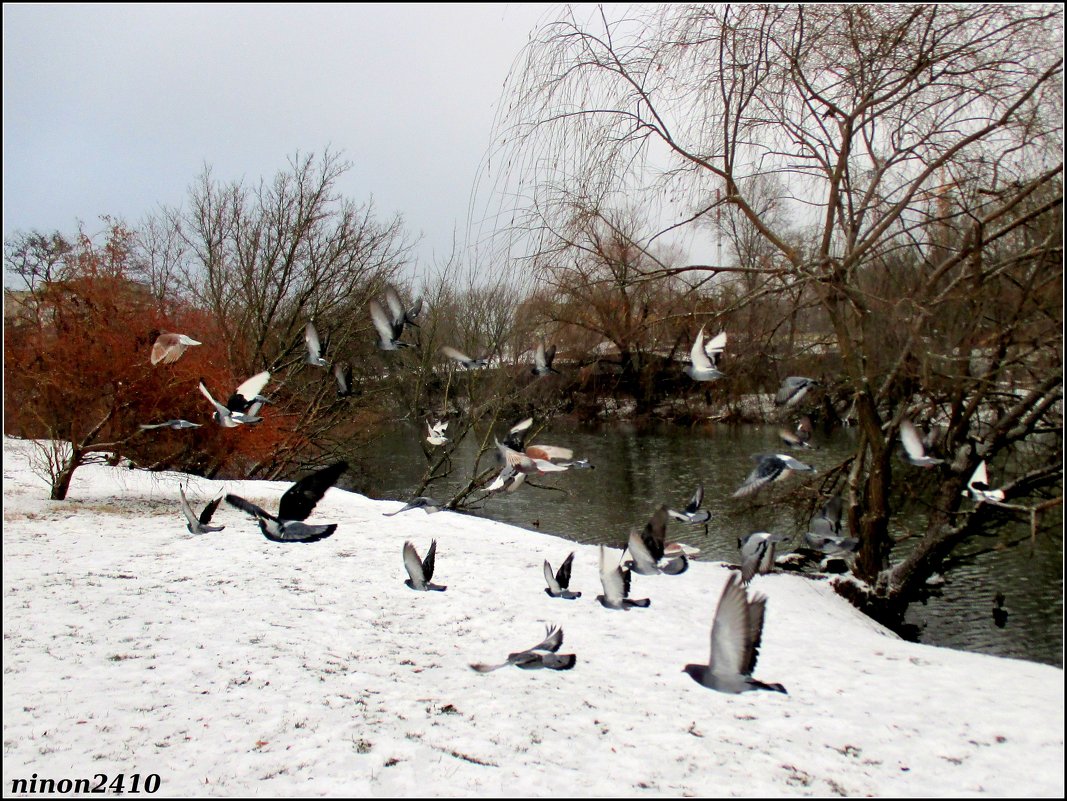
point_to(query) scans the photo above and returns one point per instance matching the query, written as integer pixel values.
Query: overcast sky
(116, 109)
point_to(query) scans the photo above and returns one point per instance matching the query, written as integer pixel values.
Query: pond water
(635, 471)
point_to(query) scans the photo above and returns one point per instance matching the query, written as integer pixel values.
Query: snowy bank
(230, 665)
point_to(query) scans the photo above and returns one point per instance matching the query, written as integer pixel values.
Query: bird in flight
(736, 634)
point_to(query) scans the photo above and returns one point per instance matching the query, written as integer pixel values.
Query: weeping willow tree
(916, 157)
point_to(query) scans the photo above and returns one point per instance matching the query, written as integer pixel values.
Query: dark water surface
(637, 471)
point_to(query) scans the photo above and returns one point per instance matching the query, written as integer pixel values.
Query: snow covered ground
(230, 665)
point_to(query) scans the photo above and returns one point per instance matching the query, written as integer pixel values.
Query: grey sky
(116, 109)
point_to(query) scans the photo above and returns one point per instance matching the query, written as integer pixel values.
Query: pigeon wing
(756, 608)
(563, 575)
(427, 563)
(611, 577)
(187, 510)
(552, 641)
(980, 477)
(396, 308)
(699, 357)
(386, 332)
(696, 500)
(209, 510)
(654, 534)
(311, 339)
(913, 444)
(452, 353)
(413, 565)
(249, 507)
(554, 586)
(730, 630)
(300, 499)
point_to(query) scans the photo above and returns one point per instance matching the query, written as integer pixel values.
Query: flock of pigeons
(737, 627)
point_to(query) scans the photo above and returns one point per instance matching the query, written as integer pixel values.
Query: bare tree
(917, 149)
(268, 259)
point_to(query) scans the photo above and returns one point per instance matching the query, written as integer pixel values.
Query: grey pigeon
(770, 467)
(427, 505)
(692, 513)
(199, 525)
(616, 583)
(311, 339)
(463, 359)
(543, 360)
(398, 314)
(824, 531)
(1000, 613)
(793, 390)
(757, 553)
(389, 330)
(175, 424)
(168, 348)
(421, 571)
(296, 504)
(647, 549)
(542, 655)
(736, 634)
(558, 584)
(702, 366)
(913, 446)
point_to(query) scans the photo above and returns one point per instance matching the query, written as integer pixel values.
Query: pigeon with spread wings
(542, 655)
(736, 634)
(195, 524)
(296, 505)
(420, 571)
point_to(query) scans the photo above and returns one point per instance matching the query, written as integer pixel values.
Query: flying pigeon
(421, 571)
(824, 531)
(558, 583)
(389, 330)
(770, 467)
(702, 367)
(541, 463)
(405, 317)
(757, 553)
(616, 583)
(464, 360)
(793, 390)
(735, 640)
(427, 505)
(199, 525)
(239, 410)
(542, 655)
(296, 504)
(311, 339)
(175, 424)
(516, 438)
(913, 446)
(978, 486)
(342, 373)
(692, 513)
(509, 479)
(647, 549)
(168, 348)
(437, 433)
(801, 437)
(543, 360)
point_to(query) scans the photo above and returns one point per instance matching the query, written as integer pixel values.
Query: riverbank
(230, 665)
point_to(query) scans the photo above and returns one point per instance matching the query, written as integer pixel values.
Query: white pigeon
(978, 486)
(437, 433)
(702, 368)
(311, 339)
(913, 446)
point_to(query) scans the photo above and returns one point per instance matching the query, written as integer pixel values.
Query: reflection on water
(636, 472)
